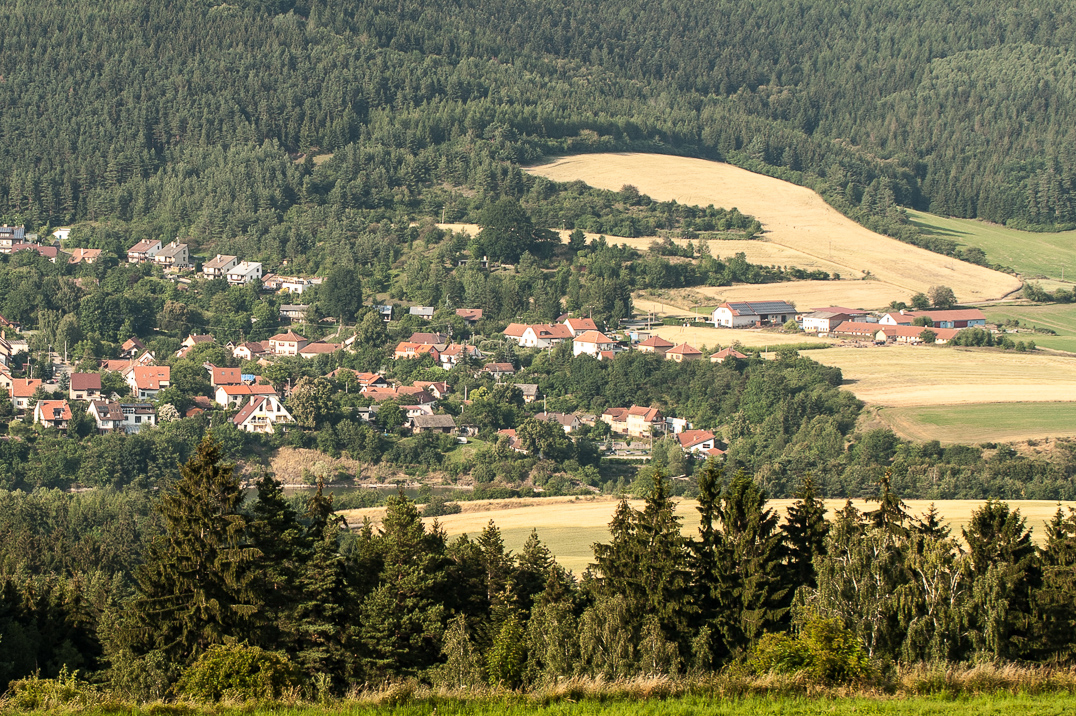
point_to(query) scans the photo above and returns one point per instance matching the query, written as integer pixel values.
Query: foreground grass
(984, 705)
(1030, 253)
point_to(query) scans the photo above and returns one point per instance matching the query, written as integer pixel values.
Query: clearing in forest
(792, 216)
(1033, 254)
(907, 376)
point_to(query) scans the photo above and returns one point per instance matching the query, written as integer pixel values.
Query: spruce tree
(805, 535)
(323, 633)
(892, 514)
(532, 570)
(195, 587)
(712, 580)
(1055, 600)
(274, 530)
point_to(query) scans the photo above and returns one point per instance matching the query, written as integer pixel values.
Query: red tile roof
(150, 377)
(656, 342)
(53, 410)
(684, 349)
(227, 376)
(289, 337)
(85, 381)
(581, 324)
(690, 438)
(593, 337)
(24, 387)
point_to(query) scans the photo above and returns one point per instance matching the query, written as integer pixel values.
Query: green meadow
(983, 422)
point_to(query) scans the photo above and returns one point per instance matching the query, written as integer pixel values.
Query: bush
(824, 649)
(237, 672)
(438, 506)
(48, 694)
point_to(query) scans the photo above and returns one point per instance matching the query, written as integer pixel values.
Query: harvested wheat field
(569, 526)
(805, 295)
(904, 376)
(724, 337)
(793, 216)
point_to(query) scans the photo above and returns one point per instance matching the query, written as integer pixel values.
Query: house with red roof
(592, 343)
(637, 421)
(654, 344)
(88, 256)
(317, 348)
(497, 370)
(287, 344)
(22, 389)
(455, 352)
(696, 441)
(122, 417)
(148, 380)
(538, 335)
(578, 326)
(224, 376)
(232, 395)
(438, 389)
(52, 414)
(407, 350)
(683, 353)
(143, 251)
(85, 386)
(471, 315)
(724, 353)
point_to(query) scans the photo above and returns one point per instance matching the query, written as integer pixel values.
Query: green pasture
(983, 422)
(512, 705)
(1059, 317)
(1032, 254)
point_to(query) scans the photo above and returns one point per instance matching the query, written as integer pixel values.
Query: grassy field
(792, 216)
(1032, 254)
(1058, 317)
(905, 376)
(569, 526)
(982, 422)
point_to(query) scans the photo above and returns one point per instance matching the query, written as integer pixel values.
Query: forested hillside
(180, 116)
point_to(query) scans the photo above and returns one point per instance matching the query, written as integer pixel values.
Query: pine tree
(1055, 600)
(712, 580)
(195, 586)
(275, 532)
(892, 514)
(401, 621)
(320, 618)
(532, 570)
(805, 535)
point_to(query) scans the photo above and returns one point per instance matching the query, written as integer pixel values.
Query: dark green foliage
(805, 534)
(340, 295)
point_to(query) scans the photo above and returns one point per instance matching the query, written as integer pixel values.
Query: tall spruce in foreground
(276, 533)
(195, 588)
(805, 535)
(1055, 601)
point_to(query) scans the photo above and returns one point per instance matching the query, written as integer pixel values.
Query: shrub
(824, 649)
(36, 693)
(237, 671)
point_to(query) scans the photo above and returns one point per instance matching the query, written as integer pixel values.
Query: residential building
(683, 353)
(173, 256)
(131, 347)
(287, 344)
(912, 334)
(85, 386)
(143, 251)
(294, 311)
(7, 325)
(224, 376)
(232, 395)
(52, 414)
(262, 414)
(537, 335)
(251, 350)
(455, 352)
(654, 344)
(499, 369)
(578, 326)
(637, 421)
(49, 252)
(957, 318)
(244, 272)
(471, 315)
(425, 312)
(438, 389)
(22, 389)
(407, 349)
(313, 350)
(88, 256)
(724, 353)
(371, 380)
(856, 329)
(433, 424)
(414, 395)
(430, 339)
(191, 341)
(567, 422)
(122, 417)
(148, 380)
(742, 314)
(385, 312)
(529, 390)
(9, 236)
(591, 342)
(696, 441)
(219, 266)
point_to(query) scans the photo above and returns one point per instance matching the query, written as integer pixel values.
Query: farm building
(959, 318)
(742, 314)
(822, 321)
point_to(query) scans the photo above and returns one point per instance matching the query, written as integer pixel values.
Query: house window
(138, 419)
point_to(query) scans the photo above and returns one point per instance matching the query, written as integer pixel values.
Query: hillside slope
(792, 216)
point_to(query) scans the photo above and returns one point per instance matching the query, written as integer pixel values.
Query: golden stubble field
(901, 375)
(792, 216)
(569, 526)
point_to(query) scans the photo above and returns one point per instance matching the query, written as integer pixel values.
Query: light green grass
(1030, 253)
(983, 422)
(992, 705)
(1060, 317)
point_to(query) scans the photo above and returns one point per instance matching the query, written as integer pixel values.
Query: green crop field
(1030, 253)
(513, 705)
(1059, 317)
(982, 422)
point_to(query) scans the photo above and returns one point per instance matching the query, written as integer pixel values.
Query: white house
(244, 273)
(538, 335)
(174, 255)
(148, 380)
(263, 414)
(125, 417)
(143, 251)
(219, 266)
(696, 441)
(592, 343)
(741, 314)
(823, 321)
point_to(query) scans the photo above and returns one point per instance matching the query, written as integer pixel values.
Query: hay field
(906, 376)
(1033, 254)
(982, 422)
(805, 295)
(570, 526)
(725, 337)
(792, 216)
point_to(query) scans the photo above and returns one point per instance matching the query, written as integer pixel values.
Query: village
(254, 405)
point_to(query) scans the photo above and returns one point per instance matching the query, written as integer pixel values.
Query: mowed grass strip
(1029, 252)
(982, 422)
(907, 376)
(791, 215)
